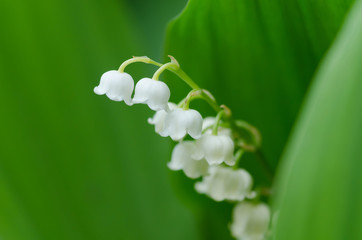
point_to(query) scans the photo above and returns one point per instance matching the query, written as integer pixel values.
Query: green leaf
(320, 195)
(74, 165)
(258, 58)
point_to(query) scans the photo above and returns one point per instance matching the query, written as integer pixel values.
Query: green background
(74, 165)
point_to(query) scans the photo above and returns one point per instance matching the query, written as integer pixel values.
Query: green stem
(217, 121)
(239, 153)
(181, 74)
(137, 59)
(252, 130)
(169, 66)
(173, 67)
(267, 169)
(178, 71)
(201, 94)
(209, 98)
(193, 94)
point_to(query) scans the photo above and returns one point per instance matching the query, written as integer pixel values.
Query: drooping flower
(216, 149)
(116, 85)
(152, 92)
(181, 160)
(159, 117)
(179, 122)
(226, 184)
(208, 123)
(250, 221)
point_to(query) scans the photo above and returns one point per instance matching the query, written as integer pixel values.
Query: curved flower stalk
(117, 86)
(250, 221)
(216, 152)
(226, 184)
(181, 159)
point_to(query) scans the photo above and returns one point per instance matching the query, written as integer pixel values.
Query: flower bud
(153, 93)
(117, 86)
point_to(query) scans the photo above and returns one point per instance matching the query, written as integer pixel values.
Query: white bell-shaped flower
(117, 86)
(179, 122)
(152, 92)
(159, 117)
(216, 149)
(250, 221)
(209, 122)
(226, 184)
(181, 160)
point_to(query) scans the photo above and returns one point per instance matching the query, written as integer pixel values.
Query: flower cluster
(213, 147)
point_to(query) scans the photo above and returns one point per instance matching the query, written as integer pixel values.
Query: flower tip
(176, 138)
(172, 166)
(150, 121)
(129, 102)
(195, 136)
(230, 161)
(97, 90)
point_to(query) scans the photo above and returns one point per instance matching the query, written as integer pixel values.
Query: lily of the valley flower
(216, 149)
(181, 160)
(226, 184)
(153, 93)
(159, 117)
(179, 122)
(250, 221)
(116, 85)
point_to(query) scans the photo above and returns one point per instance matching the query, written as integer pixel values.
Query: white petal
(141, 91)
(225, 183)
(208, 122)
(250, 221)
(121, 88)
(239, 185)
(228, 150)
(159, 117)
(217, 186)
(216, 149)
(180, 155)
(117, 86)
(158, 120)
(181, 159)
(196, 168)
(105, 82)
(178, 122)
(174, 126)
(195, 123)
(153, 93)
(198, 154)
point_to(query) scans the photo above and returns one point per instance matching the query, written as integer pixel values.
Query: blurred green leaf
(74, 165)
(320, 195)
(258, 58)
